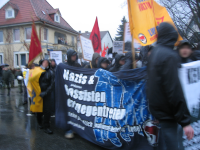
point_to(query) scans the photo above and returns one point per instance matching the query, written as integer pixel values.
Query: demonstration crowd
(166, 100)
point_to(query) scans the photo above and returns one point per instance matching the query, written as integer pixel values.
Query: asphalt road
(21, 132)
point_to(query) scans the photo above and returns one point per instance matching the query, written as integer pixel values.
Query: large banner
(104, 109)
(190, 80)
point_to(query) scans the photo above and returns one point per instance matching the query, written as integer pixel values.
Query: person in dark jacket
(166, 100)
(103, 63)
(119, 61)
(7, 76)
(185, 51)
(94, 62)
(53, 69)
(47, 83)
(72, 58)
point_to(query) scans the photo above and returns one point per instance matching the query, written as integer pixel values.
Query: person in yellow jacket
(40, 85)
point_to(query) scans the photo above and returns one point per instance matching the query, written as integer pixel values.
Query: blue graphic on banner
(104, 108)
(129, 95)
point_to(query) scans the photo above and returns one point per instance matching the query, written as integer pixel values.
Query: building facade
(16, 18)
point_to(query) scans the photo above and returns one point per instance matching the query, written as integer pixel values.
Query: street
(21, 132)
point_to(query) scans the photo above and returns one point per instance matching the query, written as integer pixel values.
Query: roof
(87, 35)
(34, 8)
(14, 6)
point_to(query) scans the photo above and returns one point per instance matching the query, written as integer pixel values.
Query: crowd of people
(166, 98)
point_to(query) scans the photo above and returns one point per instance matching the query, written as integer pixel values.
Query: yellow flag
(144, 19)
(34, 89)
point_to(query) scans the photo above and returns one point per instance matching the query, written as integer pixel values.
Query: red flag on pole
(95, 37)
(35, 46)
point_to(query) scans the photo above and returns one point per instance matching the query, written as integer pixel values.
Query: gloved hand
(42, 94)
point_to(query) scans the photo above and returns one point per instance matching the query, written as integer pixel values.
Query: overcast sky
(81, 14)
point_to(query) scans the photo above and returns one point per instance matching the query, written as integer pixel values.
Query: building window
(23, 59)
(72, 40)
(10, 13)
(1, 58)
(1, 36)
(57, 18)
(46, 56)
(16, 35)
(45, 34)
(20, 59)
(16, 60)
(28, 33)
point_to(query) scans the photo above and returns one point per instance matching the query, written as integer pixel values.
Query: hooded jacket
(69, 62)
(101, 60)
(129, 62)
(181, 44)
(116, 66)
(54, 68)
(164, 91)
(47, 82)
(93, 63)
(196, 55)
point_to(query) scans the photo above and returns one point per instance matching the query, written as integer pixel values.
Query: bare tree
(186, 16)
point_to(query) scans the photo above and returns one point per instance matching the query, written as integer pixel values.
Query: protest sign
(87, 48)
(118, 47)
(104, 109)
(57, 55)
(190, 80)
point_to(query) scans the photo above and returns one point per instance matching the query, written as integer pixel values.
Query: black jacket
(47, 82)
(69, 62)
(129, 62)
(116, 66)
(101, 60)
(195, 55)
(93, 63)
(164, 91)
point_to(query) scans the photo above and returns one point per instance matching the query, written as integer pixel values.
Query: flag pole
(133, 52)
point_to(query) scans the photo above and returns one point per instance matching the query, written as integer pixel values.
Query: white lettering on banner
(86, 123)
(100, 111)
(76, 125)
(85, 95)
(77, 78)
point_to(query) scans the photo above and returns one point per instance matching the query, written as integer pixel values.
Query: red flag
(104, 51)
(35, 46)
(95, 37)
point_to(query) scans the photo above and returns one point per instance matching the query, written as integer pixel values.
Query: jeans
(170, 136)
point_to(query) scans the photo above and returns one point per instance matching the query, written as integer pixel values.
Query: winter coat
(47, 82)
(164, 91)
(93, 63)
(101, 60)
(116, 66)
(195, 55)
(129, 62)
(7, 76)
(69, 62)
